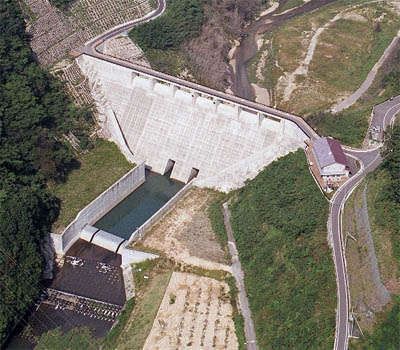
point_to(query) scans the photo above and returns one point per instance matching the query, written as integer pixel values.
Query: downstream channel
(140, 205)
(241, 86)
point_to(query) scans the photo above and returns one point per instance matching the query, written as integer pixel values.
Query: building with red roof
(331, 165)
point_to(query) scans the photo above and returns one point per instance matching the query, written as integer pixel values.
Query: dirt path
(302, 69)
(186, 235)
(248, 46)
(237, 272)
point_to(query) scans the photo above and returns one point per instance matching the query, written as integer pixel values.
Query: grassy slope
(279, 222)
(150, 293)
(99, 169)
(389, 266)
(341, 62)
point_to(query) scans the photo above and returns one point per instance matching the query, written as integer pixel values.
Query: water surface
(140, 205)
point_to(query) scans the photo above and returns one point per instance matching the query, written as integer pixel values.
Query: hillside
(196, 46)
(375, 292)
(312, 62)
(279, 222)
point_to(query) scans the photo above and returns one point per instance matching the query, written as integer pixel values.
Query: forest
(279, 222)
(35, 113)
(182, 21)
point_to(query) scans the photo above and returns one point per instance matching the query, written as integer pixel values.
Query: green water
(140, 205)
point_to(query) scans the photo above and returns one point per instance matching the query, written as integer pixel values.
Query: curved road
(369, 160)
(384, 115)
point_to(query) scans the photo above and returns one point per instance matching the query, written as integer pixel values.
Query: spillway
(164, 125)
(139, 206)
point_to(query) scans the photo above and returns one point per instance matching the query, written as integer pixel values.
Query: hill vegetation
(279, 222)
(383, 190)
(192, 39)
(182, 21)
(62, 4)
(35, 113)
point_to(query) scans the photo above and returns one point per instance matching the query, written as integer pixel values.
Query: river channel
(241, 86)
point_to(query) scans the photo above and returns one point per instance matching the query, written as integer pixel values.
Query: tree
(391, 153)
(77, 338)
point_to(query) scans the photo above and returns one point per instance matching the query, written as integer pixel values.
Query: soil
(208, 53)
(195, 313)
(185, 234)
(248, 46)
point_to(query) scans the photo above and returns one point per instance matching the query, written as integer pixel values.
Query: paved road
(254, 106)
(368, 159)
(237, 272)
(368, 80)
(384, 115)
(124, 27)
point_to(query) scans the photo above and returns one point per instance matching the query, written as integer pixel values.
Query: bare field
(185, 234)
(195, 313)
(319, 58)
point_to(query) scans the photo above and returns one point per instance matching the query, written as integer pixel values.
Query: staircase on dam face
(164, 124)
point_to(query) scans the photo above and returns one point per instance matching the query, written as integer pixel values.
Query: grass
(361, 281)
(341, 60)
(389, 265)
(142, 318)
(349, 127)
(238, 319)
(98, 170)
(385, 331)
(279, 223)
(216, 217)
(218, 275)
(291, 4)
(110, 341)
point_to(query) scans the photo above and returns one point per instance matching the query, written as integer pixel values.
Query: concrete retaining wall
(139, 233)
(99, 207)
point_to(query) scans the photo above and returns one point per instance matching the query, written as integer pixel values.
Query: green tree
(391, 154)
(78, 338)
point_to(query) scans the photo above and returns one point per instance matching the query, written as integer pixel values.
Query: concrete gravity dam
(171, 126)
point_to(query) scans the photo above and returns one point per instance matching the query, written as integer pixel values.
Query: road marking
(386, 114)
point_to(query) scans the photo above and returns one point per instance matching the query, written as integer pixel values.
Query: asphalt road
(349, 101)
(237, 272)
(384, 115)
(369, 160)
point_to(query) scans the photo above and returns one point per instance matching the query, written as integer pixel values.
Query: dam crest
(195, 134)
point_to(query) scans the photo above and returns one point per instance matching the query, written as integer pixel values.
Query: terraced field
(195, 312)
(55, 33)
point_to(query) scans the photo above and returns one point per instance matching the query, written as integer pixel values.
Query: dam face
(194, 134)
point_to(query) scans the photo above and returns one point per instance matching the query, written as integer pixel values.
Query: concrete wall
(161, 123)
(165, 209)
(98, 207)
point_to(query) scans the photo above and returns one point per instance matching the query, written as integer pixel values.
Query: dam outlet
(140, 205)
